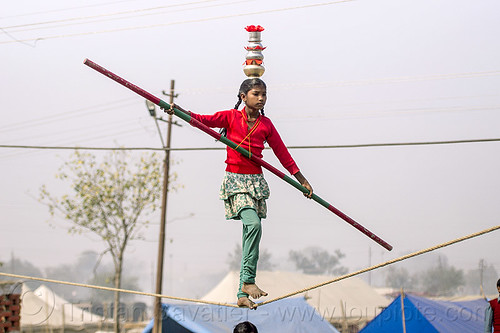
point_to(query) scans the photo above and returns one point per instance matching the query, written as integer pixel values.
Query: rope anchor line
(343, 277)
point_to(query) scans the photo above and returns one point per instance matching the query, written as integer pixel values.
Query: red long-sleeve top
(238, 132)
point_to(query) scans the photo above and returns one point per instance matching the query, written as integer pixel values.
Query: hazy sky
(348, 72)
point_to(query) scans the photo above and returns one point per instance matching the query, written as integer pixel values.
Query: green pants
(252, 232)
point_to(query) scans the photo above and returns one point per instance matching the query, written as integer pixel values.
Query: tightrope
(343, 277)
(371, 268)
(115, 289)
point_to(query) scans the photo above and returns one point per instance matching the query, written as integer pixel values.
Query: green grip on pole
(184, 116)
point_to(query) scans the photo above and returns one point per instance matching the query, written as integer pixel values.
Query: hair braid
(237, 105)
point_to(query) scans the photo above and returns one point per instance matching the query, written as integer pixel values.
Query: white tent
(350, 300)
(43, 308)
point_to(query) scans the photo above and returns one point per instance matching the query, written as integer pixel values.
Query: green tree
(105, 278)
(442, 280)
(21, 267)
(315, 260)
(78, 271)
(485, 274)
(111, 198)
(234, 259)
(399, 278)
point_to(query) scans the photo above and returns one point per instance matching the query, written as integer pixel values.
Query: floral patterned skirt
(241, 191)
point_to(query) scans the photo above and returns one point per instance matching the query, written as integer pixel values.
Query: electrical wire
(393, 79)
(113, 135)
(111, 130)
(132, 100)
(18, 40)
(413, 100)
(68, 114)
(97, 134)
(206, 19)
(362, 145)
(127, 17)
(107, 15)
(106, 127)
(376, 114)
(124, 18)
(65, 9)
(325, 84)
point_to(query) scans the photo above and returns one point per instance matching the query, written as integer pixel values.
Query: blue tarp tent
(430, 316)
(291, 315)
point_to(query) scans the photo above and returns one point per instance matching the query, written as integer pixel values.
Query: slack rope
(343, 277)
(195, 123)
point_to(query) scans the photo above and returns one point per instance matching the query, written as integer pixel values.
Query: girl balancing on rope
(244, 189)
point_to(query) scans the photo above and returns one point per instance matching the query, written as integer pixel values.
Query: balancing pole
(195, 123)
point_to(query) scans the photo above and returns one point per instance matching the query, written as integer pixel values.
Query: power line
(84, 111)
(318, 116)
(396, 79)
(131, 101)
(18, 40)
(114, 135)
(394, 144)
(104, 15)
(381, 113)
(63, 116)
(65, 9)
(124, 18)
(182, 22)
(103, 132)
(97, 128)
(77, 111)
(412, 100)
(323, 84)
(362, 145)
(373, 113)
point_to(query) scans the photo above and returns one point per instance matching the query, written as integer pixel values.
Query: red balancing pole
(195, 123)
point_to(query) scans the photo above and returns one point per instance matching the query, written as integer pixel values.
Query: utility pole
(481, 270)
(163, 223)
(369, 265)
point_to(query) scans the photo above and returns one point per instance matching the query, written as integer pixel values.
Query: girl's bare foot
(245, 302)
(252, 290)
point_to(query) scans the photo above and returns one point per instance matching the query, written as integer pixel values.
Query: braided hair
(245, 87)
